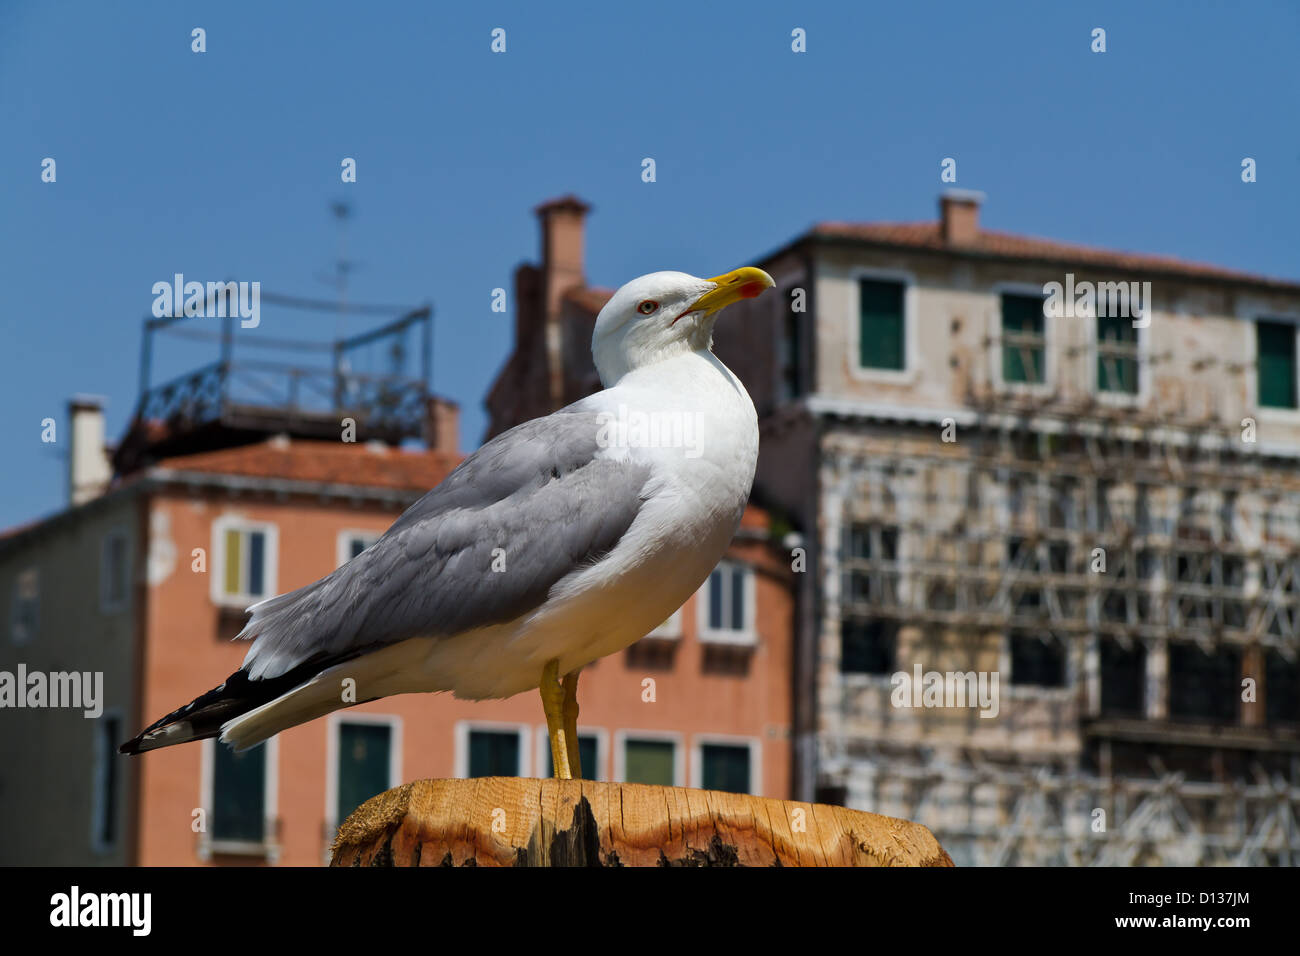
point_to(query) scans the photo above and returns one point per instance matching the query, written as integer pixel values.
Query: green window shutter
(493, 753)
(586, 753)
(364, 764)
(1117, 367)
(239, 794)
(724, 767)
(1023, 339)
(1276, 365)
(881, 333)
(648, 761)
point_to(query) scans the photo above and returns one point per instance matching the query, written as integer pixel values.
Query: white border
(342, 551)
(1143, 356)
(911, 346)
(1051, 338)
(1252, 311)
(268, 847)
(670, 629)
(543, 748)
(755, 745)
(461, 734)
(217, 569)
(105, 751)
(621, 737)
(707, 635)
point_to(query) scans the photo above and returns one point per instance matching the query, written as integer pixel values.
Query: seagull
(562, 540)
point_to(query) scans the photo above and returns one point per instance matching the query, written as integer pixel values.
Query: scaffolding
(1134, 555)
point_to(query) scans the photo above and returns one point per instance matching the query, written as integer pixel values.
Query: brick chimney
(89, 470)
(442, 425)
(562, 223)
(959, 216)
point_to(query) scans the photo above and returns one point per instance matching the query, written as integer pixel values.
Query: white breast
(692, 421)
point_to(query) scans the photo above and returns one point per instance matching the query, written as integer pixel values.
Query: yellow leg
(571, 723)
(553, 704)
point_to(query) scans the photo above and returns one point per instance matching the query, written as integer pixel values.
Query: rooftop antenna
(342, 212)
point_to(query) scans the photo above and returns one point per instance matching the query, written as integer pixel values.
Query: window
(352, 543)
(867, 547)
(1123, 677)
(494, 753)
(364, 763)
(114, 572)
(1037, 662)
(882, 329)
(726, 609)
(103, 826)
(725, 767)
(588, 753)
(1204, 686)
(791, 352)
(239, 790)
(23, 617)
(671, 628)
(1117, 355)
(650, 760)
(867, 647)
(1024, 339)
(1281, 689)
(1276, 364)
(246, 561)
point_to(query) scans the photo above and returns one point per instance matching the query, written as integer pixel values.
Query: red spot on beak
(751, 289)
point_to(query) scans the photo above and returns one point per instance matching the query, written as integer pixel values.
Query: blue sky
(223, 164)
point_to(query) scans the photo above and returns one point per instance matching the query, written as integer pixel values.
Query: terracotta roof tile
(347, 464)
(324, 462)
(926, 235)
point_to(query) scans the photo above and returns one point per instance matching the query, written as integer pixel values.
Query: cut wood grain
(510, 821)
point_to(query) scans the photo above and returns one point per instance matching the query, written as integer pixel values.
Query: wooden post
(511, 821)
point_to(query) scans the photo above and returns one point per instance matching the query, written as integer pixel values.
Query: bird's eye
(648, 307)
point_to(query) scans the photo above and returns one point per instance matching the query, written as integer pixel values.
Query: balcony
(260, 383)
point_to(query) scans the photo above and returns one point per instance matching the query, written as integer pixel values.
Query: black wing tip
(234, 696)
(155, 736)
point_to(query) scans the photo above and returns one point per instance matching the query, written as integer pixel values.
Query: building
(1093, 498)
(1088, 489)
(213, 500)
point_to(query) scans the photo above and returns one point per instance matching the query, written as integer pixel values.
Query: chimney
(528, 305)
(562, 221)
(89, 470)
(442, 425)
(959, 216)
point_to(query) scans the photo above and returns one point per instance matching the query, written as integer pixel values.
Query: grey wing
(485, 546)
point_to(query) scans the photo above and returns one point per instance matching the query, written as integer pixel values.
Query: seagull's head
(664, 314)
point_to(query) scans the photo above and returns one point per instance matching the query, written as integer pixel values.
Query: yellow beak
(743, 283)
